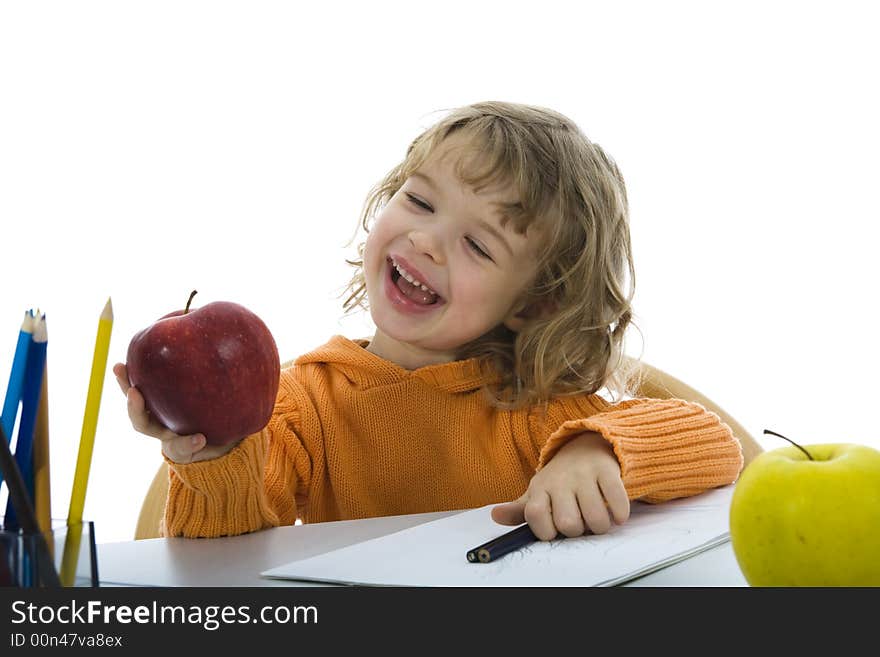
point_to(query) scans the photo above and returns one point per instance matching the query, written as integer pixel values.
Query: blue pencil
(30, 401)
(16, 377)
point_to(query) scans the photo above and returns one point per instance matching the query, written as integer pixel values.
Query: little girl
(498, 273)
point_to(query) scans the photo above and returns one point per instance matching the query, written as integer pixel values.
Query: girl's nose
(428, 243)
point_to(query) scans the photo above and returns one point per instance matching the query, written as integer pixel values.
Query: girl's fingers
(121, 373)
(567, 516)
(539, 515)
(615, 495)
(183, 449)
(138, 415)
(142, 421)
(510, 513)
(592, 508)
(180, 449)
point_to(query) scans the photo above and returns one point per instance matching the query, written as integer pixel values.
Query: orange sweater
(354, 436)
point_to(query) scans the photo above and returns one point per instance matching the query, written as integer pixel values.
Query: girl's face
(440, 269)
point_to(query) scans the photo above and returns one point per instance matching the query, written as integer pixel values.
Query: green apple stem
(779, 435)
(189, 301)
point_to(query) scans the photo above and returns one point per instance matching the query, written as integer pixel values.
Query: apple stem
(779, 435)
(189, 301)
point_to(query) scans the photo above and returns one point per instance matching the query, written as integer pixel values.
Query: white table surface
(238, 560)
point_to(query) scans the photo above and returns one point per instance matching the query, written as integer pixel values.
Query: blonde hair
(574, 196)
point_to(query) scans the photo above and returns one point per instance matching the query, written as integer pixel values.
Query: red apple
(212, 370)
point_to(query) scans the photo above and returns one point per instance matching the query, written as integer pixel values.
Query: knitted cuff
(218, 497)
(666, 448)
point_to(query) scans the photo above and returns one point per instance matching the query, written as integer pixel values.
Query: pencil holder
(66, 555)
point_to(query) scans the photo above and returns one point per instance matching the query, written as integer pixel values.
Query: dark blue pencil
(30, 401)
(504, 544)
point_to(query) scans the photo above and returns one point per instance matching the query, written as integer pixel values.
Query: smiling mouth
(412, 288)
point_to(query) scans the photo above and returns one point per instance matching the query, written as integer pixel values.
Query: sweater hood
(368, 370)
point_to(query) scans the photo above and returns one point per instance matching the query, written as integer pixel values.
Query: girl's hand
(180, 449)
(579, 490)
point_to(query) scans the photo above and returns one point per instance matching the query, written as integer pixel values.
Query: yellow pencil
(86, 442)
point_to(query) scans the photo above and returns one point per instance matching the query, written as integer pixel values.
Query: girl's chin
(410, 338)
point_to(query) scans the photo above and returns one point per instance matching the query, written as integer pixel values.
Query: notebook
(433, 554)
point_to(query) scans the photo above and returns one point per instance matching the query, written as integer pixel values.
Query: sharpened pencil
(16, 376)
(42, 479)
(90, 416)
(86, 443)
(30, 401)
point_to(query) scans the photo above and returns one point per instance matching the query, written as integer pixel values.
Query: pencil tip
(108, 310)
(40, 334)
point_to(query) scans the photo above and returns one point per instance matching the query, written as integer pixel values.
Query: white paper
(433, 554)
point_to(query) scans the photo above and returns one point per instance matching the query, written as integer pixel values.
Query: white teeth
(403, 272)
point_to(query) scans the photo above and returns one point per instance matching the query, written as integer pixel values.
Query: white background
(152, 148)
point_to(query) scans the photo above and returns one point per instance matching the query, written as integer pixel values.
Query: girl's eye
(415, 200)
(473, 245)
(476, 248)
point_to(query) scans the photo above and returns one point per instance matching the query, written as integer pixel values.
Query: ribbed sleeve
(219, 497)
(666, 448)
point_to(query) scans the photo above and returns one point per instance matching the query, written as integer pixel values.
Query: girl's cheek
(369, 249)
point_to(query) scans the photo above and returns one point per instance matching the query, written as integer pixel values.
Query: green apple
(799, 520)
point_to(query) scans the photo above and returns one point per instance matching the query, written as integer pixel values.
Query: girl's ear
(536, 310)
